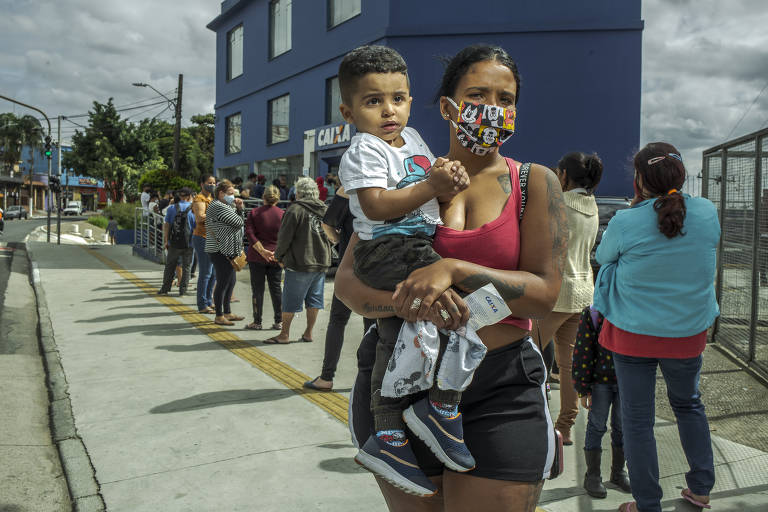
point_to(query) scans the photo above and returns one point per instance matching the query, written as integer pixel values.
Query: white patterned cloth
(412, 366)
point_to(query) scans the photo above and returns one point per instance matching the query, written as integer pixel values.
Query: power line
(728, 137)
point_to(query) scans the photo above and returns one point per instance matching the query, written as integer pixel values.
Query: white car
(73, 208)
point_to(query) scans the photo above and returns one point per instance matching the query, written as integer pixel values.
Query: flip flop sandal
(304, 340)
(274, 341)
(310, 384)
(688, 496)
(207, 311)
(253, 327)
(277, 326)
(223, 322)
(630, 506)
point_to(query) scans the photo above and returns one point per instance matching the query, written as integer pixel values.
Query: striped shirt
(224, 229)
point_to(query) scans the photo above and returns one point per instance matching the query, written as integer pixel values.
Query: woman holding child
(507, 228)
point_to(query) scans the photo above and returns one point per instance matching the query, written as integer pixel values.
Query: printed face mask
(210, 188)
(483, 128)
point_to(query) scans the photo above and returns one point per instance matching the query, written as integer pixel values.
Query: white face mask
(229, 199)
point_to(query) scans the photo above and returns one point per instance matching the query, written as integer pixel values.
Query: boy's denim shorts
(302, 287)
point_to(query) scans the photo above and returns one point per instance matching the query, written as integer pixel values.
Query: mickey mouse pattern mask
(483, 128)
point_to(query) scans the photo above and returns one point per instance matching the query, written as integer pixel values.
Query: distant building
(277, 92)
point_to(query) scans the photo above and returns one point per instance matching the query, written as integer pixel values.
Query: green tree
(108, 149)
(10, 140)
(203, 132)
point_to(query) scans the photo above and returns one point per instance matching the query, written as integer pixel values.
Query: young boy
(393, 182)
(112, 229)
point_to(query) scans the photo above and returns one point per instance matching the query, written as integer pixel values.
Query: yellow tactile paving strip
(334, 403)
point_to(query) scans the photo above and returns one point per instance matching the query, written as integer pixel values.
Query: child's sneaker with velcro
(395, 464)
(444, 435)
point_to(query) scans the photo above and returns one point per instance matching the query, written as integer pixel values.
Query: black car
(15, 212)
(606, 208)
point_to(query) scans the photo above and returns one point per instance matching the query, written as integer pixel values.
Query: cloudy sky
(704, 62)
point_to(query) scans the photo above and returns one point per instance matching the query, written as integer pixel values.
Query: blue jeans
(205, 276)
(637, 383)
(302, 287)
(605, 399)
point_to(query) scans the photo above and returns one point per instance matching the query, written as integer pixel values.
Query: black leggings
(225, 283)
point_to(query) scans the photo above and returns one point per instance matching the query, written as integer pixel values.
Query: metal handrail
(148, 232)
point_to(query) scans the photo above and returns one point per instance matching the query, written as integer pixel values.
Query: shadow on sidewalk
(150, 330)
(221, 398)
(124, 316)
(208, 345)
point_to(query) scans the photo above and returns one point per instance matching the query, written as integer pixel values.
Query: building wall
(580, 65)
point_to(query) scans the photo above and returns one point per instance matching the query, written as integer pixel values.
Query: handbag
(238, 262)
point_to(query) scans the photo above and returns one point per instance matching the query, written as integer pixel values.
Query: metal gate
(735, 178)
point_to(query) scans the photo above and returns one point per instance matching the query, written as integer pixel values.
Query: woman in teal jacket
(656, 291)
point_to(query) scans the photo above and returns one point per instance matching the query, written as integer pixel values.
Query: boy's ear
(346, 113)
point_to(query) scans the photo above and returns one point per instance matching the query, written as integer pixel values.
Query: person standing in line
(655, 289)
(177, 240)
(337, 224)
(145, 197)
(304, 251)
(257, 190)
(594, 379)
(321, 188)
(261, 229)
(223, 242)
(205, 277)
(111, 228)
(579, 175)
(282, 185)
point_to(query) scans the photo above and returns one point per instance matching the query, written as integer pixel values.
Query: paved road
(31, 478)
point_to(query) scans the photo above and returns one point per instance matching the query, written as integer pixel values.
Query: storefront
(323, 147)
(83, 189)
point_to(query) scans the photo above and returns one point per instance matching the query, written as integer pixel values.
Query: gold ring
(416, 304)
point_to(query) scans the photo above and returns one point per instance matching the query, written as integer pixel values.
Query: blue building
(277, 92)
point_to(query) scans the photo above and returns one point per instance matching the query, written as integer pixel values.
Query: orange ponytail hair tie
(671, 191)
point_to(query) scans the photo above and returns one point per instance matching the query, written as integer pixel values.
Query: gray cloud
(703, 62)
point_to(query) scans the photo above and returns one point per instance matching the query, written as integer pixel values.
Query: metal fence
(735, 178)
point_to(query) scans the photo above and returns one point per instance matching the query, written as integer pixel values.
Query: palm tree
(10, 140)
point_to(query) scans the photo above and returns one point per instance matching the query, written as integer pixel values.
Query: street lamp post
(177, 112)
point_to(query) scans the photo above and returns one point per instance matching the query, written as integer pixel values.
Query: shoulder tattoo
(505, 183)
(558, 221)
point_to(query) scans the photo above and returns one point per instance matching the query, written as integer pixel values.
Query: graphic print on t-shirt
(416, 168)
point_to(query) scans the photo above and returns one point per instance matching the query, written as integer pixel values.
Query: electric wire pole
(177, 131)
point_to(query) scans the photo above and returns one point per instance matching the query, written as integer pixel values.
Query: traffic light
(55, 183)
(48, 152)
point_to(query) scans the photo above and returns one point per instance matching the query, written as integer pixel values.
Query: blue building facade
(277, 97)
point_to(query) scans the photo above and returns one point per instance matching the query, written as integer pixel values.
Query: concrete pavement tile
(34, 481)
(24, 411)
(307, 478)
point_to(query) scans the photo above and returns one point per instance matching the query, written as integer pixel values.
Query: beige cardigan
(578, 284)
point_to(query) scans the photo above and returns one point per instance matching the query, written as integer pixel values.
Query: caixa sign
(333, 135)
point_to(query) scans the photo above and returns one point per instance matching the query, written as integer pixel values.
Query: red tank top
(493, 245)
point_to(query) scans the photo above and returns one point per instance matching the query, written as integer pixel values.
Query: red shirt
(493, 245)
(262, 224)
(656, 347)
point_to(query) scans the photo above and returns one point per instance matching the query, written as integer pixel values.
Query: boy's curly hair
(367, 59)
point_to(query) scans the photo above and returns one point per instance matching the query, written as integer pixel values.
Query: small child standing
(595, 381)
(394, 181)
(112, 229)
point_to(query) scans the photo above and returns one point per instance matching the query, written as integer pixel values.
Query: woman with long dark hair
(655, 290)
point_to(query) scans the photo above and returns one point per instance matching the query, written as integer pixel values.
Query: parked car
(73, 208)
(606, 209)
(16, 212)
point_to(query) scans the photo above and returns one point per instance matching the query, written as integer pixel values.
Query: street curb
(78, 470)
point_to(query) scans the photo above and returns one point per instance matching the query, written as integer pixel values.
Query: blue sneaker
(444, 436)
(395, 464)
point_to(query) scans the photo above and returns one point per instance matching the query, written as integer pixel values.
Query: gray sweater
(302, 245)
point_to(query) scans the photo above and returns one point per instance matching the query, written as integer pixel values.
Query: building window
(290, 166)
(233, 132)
(340, 11)
(279, 27)
(279, 113)
(332, 101)
(235, 52)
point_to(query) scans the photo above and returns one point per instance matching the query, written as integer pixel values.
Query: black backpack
(180, 236)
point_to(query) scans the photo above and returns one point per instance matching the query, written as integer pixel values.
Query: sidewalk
(178, 414)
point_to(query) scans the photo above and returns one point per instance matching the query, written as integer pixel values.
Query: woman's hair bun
(593, 165)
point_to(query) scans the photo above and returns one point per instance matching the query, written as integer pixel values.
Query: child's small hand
(448, 177)
(586, 402)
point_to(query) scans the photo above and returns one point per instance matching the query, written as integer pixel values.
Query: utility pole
(48, 201)
(177, 132)
(58, 191)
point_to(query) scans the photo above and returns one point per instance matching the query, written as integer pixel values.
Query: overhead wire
(728, 137)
